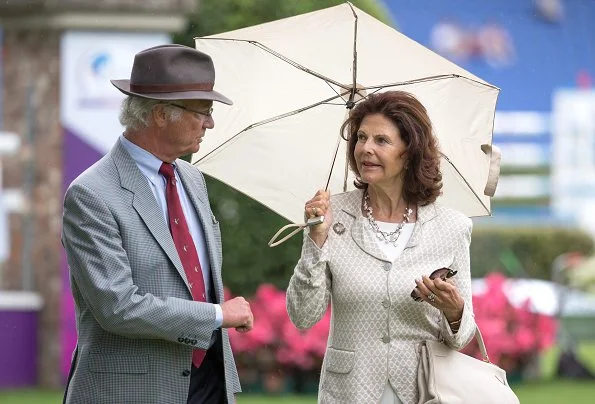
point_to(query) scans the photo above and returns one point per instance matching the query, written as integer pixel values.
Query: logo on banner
(95, 69)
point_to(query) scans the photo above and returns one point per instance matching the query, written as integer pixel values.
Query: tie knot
(167, 170)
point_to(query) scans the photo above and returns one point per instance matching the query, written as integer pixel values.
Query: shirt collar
(147, 162)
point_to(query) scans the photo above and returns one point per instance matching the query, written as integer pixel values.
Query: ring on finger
(432, 297)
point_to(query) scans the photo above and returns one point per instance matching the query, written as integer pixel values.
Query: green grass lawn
(554, 392)
(548, 391)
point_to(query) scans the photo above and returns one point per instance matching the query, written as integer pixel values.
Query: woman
(376, 244)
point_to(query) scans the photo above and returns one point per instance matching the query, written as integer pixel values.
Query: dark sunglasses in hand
(442, 273)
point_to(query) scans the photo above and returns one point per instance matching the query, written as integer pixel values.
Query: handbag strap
(482, 346)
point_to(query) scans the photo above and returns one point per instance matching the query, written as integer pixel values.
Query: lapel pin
(339, 228)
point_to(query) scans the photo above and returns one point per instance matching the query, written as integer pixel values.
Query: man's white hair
(135, 112)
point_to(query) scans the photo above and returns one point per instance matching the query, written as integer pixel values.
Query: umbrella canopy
(293, 81)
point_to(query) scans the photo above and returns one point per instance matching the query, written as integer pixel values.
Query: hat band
(170, 88)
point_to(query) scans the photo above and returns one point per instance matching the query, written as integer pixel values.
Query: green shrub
(523, 252)
(246, 228)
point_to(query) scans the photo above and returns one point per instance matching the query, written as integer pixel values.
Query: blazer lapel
(365, 239)
(424, 214)
(132, 179)
(359, 231)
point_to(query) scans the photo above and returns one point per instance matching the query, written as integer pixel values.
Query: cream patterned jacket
(376, 327)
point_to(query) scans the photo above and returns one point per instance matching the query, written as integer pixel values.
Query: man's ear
(159, 115)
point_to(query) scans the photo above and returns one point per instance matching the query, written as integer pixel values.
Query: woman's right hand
(319, 205)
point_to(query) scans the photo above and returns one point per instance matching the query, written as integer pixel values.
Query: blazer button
(180, 339)
(385, 303)
(386, 339)
(387, 267)
(186, 373)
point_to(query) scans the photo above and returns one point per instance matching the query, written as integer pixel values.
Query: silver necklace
(388, 237)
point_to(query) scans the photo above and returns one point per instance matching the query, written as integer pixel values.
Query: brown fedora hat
(172, 72)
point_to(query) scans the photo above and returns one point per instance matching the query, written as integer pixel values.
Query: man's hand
(237, 314)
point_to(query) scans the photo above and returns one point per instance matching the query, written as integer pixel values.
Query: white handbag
(445, 376)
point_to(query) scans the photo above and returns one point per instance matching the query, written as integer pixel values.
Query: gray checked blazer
(376, 327)
(137, 323)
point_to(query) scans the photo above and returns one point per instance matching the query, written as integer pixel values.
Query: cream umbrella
(293, 81)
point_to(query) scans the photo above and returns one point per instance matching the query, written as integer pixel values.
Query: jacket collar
(364, 238)
(143, 201)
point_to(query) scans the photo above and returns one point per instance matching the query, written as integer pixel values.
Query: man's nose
(209, 123)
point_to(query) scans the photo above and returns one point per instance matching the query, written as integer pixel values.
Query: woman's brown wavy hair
(423, 179)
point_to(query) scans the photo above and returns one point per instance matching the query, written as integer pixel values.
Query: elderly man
(144, 249)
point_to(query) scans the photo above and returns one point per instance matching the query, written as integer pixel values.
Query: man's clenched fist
(237, 314)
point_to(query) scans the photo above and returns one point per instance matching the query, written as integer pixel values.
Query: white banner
(90, 103)
(573, 152)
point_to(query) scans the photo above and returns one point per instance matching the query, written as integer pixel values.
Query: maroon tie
(184, 244)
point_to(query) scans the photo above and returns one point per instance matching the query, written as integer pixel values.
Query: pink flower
(274, 331)
(512, 334)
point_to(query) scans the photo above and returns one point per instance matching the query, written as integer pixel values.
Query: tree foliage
(524, 252)
(216, 16)
(246, 225)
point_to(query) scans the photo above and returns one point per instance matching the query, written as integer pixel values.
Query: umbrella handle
(313, 221)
